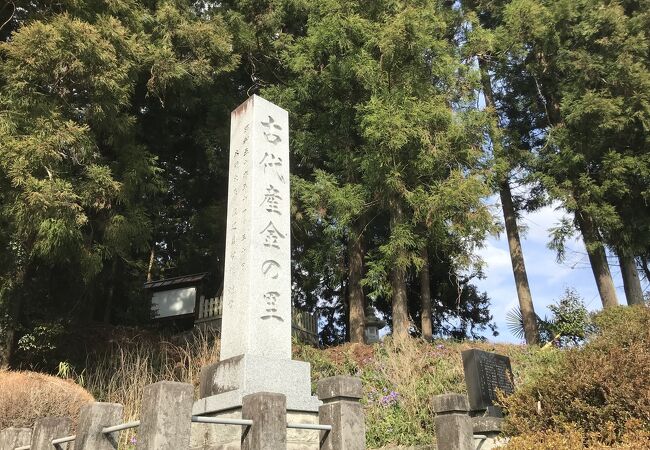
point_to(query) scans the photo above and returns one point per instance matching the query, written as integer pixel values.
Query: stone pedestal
(489, 428)
(228, 437)
(224, 384)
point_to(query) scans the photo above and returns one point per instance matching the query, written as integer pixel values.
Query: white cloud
(548, 279)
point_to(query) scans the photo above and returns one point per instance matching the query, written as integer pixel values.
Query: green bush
(600, 391)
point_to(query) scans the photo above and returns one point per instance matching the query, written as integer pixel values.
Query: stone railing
(166, 421)
(304, 325)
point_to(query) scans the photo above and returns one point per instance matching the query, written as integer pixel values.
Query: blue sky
(548, 279)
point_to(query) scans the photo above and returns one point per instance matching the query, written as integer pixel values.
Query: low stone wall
(416, 447)
(166, 422)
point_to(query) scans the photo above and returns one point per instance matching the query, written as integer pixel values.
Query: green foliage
(399, 380)
(595, 389)
(81, 176)
(380, 99)
(41, 342)
(570, 322)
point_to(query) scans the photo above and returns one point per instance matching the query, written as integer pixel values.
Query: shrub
(598, 390)
(572, 439)
(26, 396)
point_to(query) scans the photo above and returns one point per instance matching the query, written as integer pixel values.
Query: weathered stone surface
(339, 386)
(228, 437)
(487, 432)
(454, 432)
(486, 372)
(413, 447)
(256, 324)
(489, 441)
(449, 403)
(482, 425)
(12, 437)
(92, 419)
(224, 384)
(344, 412)
(257, 278)
(166, 416)
(48, 428)
(268, 413)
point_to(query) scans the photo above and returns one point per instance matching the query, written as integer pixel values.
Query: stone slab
(224, 384)
(486, 372)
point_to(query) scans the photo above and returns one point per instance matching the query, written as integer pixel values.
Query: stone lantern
(373, 325)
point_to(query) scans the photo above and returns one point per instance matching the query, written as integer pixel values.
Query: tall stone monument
(256, 324)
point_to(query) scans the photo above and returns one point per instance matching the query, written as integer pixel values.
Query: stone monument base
(228, 437)
(224, 384)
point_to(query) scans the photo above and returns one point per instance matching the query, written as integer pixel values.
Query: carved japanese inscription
(257, 281)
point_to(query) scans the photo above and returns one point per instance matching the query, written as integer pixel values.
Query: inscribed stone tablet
(485, 373)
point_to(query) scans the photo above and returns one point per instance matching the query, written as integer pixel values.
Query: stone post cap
(170, 387)
(269, 395)
(340, 386)
(450, 403)
(102, 405)
(50, 421)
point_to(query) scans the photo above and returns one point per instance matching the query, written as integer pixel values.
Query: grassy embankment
(398, 380)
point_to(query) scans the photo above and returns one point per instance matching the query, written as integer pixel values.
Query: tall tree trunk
(355, 291)
(528, 315)
(152, 259)
(401, 322)
(531, 331)
(17, 300)
(598, 260)
(631, 282)
(425, 296)
(108, 307)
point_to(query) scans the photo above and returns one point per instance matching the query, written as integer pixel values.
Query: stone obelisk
(256, 323)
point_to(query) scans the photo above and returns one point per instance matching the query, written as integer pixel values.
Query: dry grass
(400, 377)
(121, 373)
(26, 396)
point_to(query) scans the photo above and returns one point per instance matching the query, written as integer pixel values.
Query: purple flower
(133, 440)
(390, 399)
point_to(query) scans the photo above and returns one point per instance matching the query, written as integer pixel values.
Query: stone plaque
(485, 373)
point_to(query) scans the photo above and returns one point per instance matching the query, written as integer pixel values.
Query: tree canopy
(114, 124)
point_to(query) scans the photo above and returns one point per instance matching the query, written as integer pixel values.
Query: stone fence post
(341, 409)
(166, 416)
(268, 411)
(10, 438)
(48, 428)
(92, 419)
(453, 424)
